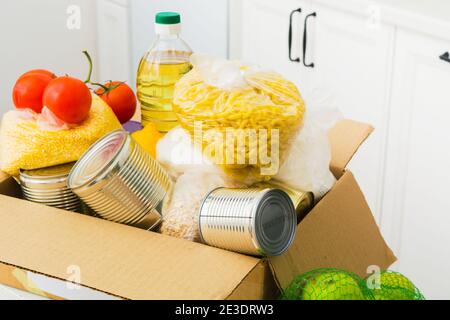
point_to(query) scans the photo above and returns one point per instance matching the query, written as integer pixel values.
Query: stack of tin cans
(260, 222)
(121, 182)
(49, 187)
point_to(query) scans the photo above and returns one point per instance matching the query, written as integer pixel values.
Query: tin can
(303, 201)
(120, 181)
(48, 186)
(255, 221)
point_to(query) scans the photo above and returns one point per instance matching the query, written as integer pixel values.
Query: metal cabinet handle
(305, 39)
(299, 10)
(445, 57)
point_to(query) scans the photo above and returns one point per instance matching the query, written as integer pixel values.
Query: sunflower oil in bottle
(160, 69)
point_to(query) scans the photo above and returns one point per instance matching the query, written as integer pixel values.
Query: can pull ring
(291, 17)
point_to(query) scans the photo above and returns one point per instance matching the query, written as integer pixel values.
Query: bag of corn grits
(244, 118)
(27, 144)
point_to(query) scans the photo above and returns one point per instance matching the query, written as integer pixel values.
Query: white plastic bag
(307, 166)
(177, 153)
(224, 74)
(48, 121)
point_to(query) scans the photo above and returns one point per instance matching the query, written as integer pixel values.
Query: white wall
(205, 25)
(34, 34)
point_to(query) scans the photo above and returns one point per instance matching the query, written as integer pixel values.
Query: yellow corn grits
(24, 146)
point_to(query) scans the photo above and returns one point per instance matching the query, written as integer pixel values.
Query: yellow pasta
(267, 102)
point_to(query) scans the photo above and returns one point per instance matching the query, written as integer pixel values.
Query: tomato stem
(88, 80)
(109, 88)
(106, 88)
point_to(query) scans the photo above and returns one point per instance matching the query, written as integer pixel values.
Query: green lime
(395, 286)
(333, 286)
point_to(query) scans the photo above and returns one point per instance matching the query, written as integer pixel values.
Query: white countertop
(8, 293)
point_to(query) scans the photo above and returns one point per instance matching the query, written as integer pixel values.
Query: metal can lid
(303, 201)
(275, 222)
(100, 161)
(51, 177)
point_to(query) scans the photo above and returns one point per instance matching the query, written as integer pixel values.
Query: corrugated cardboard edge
(9, 276)
(345, 139)
(343, 220)
(48, 287)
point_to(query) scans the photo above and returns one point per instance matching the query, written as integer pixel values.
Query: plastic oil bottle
(159, 70)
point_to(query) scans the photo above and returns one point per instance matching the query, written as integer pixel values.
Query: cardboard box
(43, 250)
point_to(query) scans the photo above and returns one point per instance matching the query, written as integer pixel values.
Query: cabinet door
(265, 33)
(416, 218)
(352, 72)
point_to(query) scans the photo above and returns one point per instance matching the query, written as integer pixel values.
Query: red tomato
(69, 99)
(39, 72)
(120, 98)
(29, 90)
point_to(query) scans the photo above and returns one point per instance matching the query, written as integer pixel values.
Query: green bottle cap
(168, 18)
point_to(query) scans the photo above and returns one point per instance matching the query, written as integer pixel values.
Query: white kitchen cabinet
(416, 208)
(352, 68)
(265, 34)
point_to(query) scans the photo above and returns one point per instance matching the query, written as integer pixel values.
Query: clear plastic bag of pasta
(243, 118)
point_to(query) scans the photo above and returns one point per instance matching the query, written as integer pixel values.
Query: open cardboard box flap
(345, 138)
(340, 232)
(135, 264)
(345, 209)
